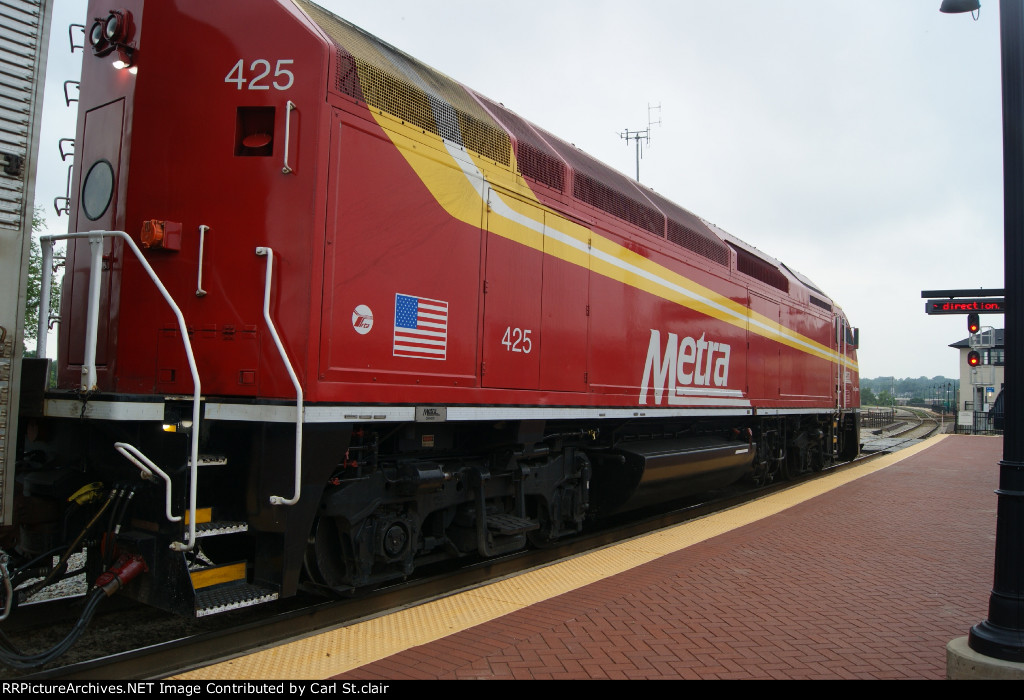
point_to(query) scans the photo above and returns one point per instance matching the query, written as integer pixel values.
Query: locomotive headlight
(112, 28)
(96, 38)
(116, 27)
(111, 32)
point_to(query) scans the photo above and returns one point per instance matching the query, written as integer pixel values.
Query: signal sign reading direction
(965, 306)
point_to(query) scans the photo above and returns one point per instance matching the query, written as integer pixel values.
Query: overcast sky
(859, 143)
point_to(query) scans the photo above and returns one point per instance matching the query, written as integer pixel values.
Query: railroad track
(139, 643)
(916, 422)
(909, 426)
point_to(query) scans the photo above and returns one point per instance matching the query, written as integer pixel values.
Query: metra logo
(362, 319)
(684, 368)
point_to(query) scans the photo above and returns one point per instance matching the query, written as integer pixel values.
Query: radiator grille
(595, 192)
(702, 244)
(398, 84)
(821, 303)
(753, 266)
(537, 159)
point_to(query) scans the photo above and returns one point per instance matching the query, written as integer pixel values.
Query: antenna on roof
(642, 137)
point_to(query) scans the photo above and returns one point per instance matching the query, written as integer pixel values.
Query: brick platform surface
(870, 580)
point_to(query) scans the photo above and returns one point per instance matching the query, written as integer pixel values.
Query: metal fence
(877, 418)
(984, 423)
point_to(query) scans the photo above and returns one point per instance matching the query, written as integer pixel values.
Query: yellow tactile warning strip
(329, 653)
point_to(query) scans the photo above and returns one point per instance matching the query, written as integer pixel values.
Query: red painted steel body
(352, 224)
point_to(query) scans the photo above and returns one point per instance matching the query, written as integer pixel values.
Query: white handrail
(149, 471)
(92, 320)
(288, 108)
(43, 322)
(200, 292)
(281, 500)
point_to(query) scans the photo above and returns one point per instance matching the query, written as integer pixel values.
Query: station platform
(867, 573)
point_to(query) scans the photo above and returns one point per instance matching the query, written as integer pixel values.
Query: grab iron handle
(287, 134)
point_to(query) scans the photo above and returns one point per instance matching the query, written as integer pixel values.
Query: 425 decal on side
(517, 340)
(260, 77)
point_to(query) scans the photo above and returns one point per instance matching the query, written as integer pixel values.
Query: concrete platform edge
(965, 664)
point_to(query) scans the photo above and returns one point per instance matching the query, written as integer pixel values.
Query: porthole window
(98, 190)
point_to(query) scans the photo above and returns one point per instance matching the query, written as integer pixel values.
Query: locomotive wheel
(766, 466)
(762, 473)
(819, 462)
(795, 464)
(326, 555)
(544, 536)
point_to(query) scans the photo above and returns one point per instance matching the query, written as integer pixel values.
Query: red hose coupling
(124, 570)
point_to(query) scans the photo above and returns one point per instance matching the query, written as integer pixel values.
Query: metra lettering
(685, 363)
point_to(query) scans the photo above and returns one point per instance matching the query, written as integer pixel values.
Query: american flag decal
(421, 328)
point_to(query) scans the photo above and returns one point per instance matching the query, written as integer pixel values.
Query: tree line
(920, 391)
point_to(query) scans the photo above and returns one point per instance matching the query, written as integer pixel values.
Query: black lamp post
(1001, 636)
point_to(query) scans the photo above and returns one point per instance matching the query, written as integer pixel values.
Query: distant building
(979, 386)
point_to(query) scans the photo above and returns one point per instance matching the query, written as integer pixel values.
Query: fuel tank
(639, 474)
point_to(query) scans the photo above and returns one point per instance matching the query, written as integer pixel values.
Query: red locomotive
(340, 315)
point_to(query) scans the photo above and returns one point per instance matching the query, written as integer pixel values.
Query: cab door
(97, 209)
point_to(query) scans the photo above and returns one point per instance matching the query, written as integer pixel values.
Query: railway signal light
(973, 358)
(973, 323)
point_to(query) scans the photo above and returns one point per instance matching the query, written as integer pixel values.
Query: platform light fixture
(954, 7)
(957, 6)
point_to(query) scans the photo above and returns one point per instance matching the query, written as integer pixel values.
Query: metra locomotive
(329, 315)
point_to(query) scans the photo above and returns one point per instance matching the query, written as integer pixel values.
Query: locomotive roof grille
(820, 303)
(540, 165)
(398, 84)
(753, 266)
(594, 191)
(537, 159)
(390, 80)
(702, 244)
(545, 158)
